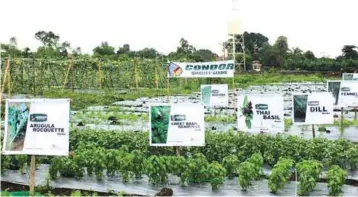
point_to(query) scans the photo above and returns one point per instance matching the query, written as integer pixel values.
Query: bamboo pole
(5, 76)
(313, 131)
(73, 74)
(99, 75)
(32, 174)
(66, 76)
(156, 77)
(136, 74)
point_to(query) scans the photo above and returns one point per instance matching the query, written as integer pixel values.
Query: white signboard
(260, 113)
(37, 127)
(220, 69)
(214, 95)
(350, 76)
(176, 125)
(344, 93)
(314, 108)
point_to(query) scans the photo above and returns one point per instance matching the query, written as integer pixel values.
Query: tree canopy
(257, 48)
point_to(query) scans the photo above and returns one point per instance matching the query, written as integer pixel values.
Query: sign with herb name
(214, 95)
(176, 125)
(260, 113)
(37, 127)
(344, 93)
(314, 108)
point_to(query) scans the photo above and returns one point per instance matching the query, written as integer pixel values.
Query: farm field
(110, 150)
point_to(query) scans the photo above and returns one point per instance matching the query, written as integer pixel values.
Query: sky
(322, 26)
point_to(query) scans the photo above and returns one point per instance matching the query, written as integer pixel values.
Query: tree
(282, 45)
(48, 39)
(13, 41)
(27, 53)
(349, 52)
(309, 55)
(103, 50)
(64, 48)
(184, 47)
(147, 53)
(203, 55)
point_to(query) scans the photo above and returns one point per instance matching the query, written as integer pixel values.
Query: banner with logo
(344, 93)
(214, 95)
(176, 125)
(350, 76)
(314, 108)
(260, 113)
(220, 69)
(37, 127)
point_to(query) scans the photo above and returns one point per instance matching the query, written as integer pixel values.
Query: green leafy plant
(308, 171)
(258, 162)
(336, 178)
(156, 170)
(246, 174)
(22, 159)
(54, 167)
(231, 163)
(216, 175)
(138, 162)
(197, 168)
(280, 174)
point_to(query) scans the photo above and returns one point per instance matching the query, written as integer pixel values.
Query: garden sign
(314, 108)
(219, 69)
(37, 127)
(177, 125)
(344, 93)
(260, 113)
(214, 95)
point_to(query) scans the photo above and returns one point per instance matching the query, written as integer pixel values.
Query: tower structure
(237, 37)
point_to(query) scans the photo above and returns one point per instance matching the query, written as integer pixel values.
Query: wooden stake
(156, 77)
(73, 74)
(177, 150)
(32, 174)
(136, 75)
(6, 75)
(99, 75)
(66, 76)
(313, 132)
(355, 113)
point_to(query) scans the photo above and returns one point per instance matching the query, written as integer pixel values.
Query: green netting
(24, 193)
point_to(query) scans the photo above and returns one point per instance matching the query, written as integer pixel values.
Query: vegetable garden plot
(230, 187)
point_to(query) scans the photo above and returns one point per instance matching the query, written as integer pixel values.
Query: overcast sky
(322, 26)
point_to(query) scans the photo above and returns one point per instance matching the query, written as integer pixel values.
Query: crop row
(219, 145)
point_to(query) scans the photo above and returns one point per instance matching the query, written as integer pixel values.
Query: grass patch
(346, 123)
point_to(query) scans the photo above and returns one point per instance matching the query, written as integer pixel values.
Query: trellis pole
(66, 76)
(136, 74)
(73, 74)
(6, 78)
